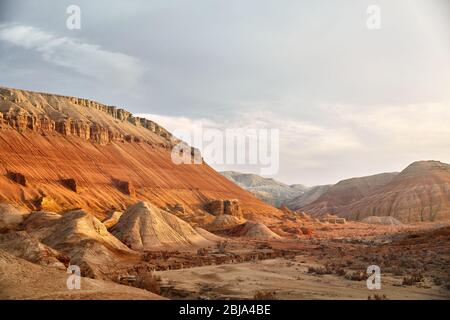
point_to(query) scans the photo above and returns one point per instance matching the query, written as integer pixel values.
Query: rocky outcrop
(21, 244)
(252, 229)
(10, 217)
(219, 207)
(232, 208)
(125, 187)
(215, 207)
(83, 238)
(329, 218)
(70, 184)
(223, 222)
(23, 110)
(112, 219)
(17, 177)
(179, 208)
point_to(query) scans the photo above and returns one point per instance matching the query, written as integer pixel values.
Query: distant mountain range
(310, 195)
(421, 192)
(267, 189)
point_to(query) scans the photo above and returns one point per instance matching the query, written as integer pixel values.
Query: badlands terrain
(418, 193)
(87, 185)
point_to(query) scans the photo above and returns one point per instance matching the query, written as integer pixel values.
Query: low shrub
(265, 295)
(412, 279)
(149, 282)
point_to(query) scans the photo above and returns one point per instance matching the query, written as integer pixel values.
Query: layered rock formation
(220, 207)
(81, 237)
(47, 113)
(253, 229)
(21, 244)
(71, 184)
(224, 222)
(346, 192)
(144, 226)
(228, 214)
(421, 192)
(10, 217)
(77, 153)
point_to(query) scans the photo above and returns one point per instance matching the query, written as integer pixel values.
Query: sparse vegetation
(412, 279)
(328, 269)
(221, 246)
(264, 245)
(340, 272)
(149, 282)
(356, 276)
(265, 295)
(318, 270)
(202, 251)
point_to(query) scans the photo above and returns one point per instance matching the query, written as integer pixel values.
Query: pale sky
(348, 101)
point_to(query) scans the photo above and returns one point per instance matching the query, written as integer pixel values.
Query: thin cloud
(308, 143)
(111, 68)
(356, 143)
(406, 128)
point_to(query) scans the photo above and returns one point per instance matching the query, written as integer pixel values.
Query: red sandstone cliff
(63, 152)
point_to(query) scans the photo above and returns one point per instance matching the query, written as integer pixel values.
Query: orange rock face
(70, 184)
(46, 157)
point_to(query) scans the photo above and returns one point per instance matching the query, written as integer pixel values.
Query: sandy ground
(288, 279)
(20, 279)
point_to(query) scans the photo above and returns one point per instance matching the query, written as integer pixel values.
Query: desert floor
(288, 279)
(415, 264)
